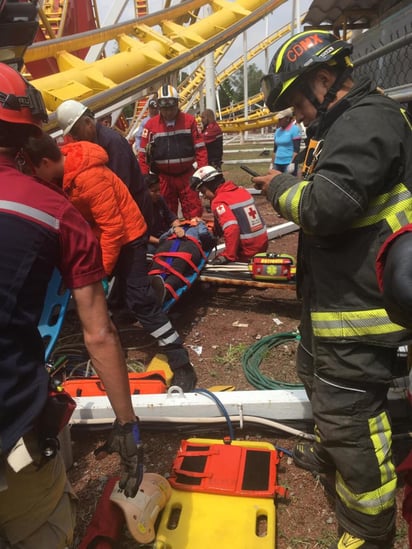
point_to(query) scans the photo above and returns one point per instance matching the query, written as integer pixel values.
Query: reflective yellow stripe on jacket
(395, 207)
(290, 200)
(352, 323)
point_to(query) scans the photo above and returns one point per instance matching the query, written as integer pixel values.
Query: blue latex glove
(105, 284)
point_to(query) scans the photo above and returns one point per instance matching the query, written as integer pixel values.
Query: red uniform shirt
(40, 230)
(173, 148)
(240, 222)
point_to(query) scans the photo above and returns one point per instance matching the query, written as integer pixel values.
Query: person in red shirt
(213, 136)
(170, 145)
(43, 231)
(236, 216)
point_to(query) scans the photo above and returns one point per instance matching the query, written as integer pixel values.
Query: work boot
(185, 378)
(312, 458)
(347, 541)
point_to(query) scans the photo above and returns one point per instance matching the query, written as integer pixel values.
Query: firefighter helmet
(299, 55)
(68, 113)
(20, 102)
(167, 96)
(203, 176)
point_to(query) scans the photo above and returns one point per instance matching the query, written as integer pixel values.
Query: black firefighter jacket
(358, 194)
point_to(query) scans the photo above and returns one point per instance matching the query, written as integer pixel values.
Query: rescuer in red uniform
(170, 144)
(236, 216)
(42, 230)
(213, 136)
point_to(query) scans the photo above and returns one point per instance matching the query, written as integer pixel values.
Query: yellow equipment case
(222, 496)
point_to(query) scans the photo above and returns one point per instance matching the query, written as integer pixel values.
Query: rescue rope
(254, 355)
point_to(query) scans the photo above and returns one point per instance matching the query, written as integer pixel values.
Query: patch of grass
(134, 365)
(231, 356)
(241, 156)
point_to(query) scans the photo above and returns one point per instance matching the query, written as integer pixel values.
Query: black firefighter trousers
(354, 429)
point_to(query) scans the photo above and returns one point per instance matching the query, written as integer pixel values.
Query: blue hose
(221, 408)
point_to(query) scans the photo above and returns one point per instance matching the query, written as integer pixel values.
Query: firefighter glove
(125, 440)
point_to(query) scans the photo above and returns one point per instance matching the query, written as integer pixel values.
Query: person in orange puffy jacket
(107, 205)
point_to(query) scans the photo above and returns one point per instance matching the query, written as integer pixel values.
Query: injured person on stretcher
(179, 258)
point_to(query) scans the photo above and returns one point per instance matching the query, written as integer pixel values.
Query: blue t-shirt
(284, 143)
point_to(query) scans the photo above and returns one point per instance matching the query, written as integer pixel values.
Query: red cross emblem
(252, 212)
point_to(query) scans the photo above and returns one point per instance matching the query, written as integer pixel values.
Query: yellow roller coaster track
(191, 85)
(260, 117)
(143, 50)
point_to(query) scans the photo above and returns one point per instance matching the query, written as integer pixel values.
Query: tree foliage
(231, 89)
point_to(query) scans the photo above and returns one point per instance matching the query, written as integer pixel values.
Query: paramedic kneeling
(237, 218)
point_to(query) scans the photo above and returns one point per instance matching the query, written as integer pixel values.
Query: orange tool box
(239, 469)
(145, 383)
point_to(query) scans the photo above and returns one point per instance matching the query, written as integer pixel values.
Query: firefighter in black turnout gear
(356, 192)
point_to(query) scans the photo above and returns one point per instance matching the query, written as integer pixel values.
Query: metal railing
(390, 67)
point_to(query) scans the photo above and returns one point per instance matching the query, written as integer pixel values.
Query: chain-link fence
(384, 53)
(389, 66)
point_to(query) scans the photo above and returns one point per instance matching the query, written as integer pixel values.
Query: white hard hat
(203, 175)
(68, 113)
(167, 96)
(141, 511)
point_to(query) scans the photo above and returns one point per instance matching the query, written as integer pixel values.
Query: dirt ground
(217, 325)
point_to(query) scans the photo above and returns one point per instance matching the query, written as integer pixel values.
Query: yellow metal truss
(196, 80)
(145, 52)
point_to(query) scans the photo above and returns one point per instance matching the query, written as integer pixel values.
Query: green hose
(253, 356)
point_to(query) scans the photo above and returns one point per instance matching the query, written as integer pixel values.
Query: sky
(280, 17)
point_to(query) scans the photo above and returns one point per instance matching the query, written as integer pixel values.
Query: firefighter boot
(312, 457)
(185, 378)
(348, 541)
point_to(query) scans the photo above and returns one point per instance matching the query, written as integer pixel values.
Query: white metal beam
(280, 406)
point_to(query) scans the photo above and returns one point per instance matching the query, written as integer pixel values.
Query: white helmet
(203, 175)
(167, 96)
(68, 113)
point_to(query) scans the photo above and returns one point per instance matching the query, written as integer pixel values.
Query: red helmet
(20, 102)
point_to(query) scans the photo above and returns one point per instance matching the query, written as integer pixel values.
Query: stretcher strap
(199, 246)
(172, 291)
(192, 474)
(186, 256)
(166, 263)
(168, 269)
